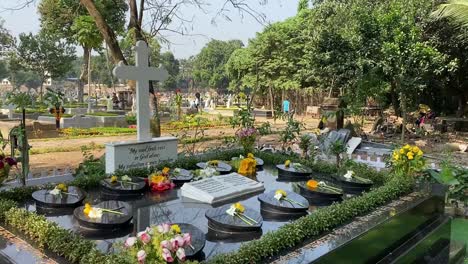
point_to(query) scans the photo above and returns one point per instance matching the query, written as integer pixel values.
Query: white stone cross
(142, 73)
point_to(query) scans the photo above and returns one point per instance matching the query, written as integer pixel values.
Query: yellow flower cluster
(87, 209)
(114, 179)
(213, 163)
(62, 187)
(407, 153)
(287, 163)
(282, 192)
(175, 229)
(239, 208)
(248, 167)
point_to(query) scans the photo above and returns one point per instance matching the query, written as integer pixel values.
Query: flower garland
(238, 210)
(158, 244)
(248, 166)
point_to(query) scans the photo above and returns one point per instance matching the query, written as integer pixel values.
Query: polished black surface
(43, 198)
(318, 196)
(218, 219)
(181, 177)
(297, 203)
(353, 186)
(108, 220)
(222, 168)
(292, 174)
(117, 190)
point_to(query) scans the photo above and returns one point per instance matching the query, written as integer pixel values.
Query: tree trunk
(403, 112)
(461, 105)
(107, 32)
(134, 21)
(83, 75)
(394, 96)
(272, 101)
(89, 82)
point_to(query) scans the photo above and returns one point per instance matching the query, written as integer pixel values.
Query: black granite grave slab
(122, 190)
(260, 163)
(222, 168)
(353, 186)
(219, 220)
(44, 199)
(108, 220)
(291, 174)
(181, 177)
(198, 241)
(319, 197)
(269, 203)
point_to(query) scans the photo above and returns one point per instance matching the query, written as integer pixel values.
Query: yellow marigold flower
(415, 149)
(287, 163)
(402, 151)
(282, 192)
(407, 147)
(62, 187)
(312, 184)
(248, 167)
(214, 163)
(396, 157)
(176, 229)
(155, 179)
(87, 209)
(166, 170)
(239, 207)
(113, 179)
(420, 153)
(410, 155)
(250, 155)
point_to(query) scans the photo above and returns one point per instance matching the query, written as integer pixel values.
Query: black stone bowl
(182, 177)
(319, 198)
(46, 200)
(215, 235)
(291, 174)
(223, 168)
(109, 221)
(353, 187)
(117, 190)
(260, 163)
(220, 221)
(268, 202)
(198, 241)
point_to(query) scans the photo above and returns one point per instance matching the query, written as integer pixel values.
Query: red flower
(11, 161)
(2, 165)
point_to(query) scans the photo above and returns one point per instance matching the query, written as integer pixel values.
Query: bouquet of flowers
(247, 137)
(238, 210)
(158, 244)
(5, 165)
(351, 175)
(281, 195)
(296, 166)
(213, 163)
(315, 185)
(160, 181)
(408, 160)
(60, 189)
(96, 212)
(248, 166)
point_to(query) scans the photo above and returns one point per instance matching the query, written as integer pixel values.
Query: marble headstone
(221, 188)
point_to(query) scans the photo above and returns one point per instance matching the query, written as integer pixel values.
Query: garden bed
(169, 207)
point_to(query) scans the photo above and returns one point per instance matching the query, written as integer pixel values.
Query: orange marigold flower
(312, 184)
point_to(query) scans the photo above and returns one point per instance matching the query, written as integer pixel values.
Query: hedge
(76, 249)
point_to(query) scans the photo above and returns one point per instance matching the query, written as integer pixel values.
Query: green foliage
(305, 141)
(243, 118)
(86, 33)
(454, 177)
(209, 64)
(169, 63)
(291, 132)
(101, 114)
(454, 9)
(53, 98)
(20, 99)
(131, 119)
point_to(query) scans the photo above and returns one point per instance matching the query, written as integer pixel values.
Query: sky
(243, 28)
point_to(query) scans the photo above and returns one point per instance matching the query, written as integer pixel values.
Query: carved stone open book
(221, 188)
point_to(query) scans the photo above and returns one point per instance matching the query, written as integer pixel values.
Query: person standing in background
(286, 106)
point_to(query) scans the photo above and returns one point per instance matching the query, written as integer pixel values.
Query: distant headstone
(352, 144)
(147, 150)
(221, 188)
(11, 110)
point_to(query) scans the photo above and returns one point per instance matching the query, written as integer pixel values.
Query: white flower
(278, 196)
(208, 172)
(231, 211)
(241, 157)
(322, 183)
(130, 241)
(95, 213)
(177, 170)
(126, 178)
(55, 191)
(349, 175)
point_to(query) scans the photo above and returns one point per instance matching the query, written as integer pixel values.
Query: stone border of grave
(85, 121)
(9, 212)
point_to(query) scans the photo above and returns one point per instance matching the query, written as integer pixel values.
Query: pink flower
(180, 240)
(144, 237)
(166, 227)
(141, 256)
(187, 239)
(130, 242)
(181, 254)
(166, 244)
(166, 254)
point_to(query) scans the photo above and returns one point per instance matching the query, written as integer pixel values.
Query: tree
(209, 64)
(454, 9)
(302, 5)
(172, 66)
(59, 18)
(45, 56)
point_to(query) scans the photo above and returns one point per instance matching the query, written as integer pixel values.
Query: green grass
(460, 230)
(101, 114)
(35, 151)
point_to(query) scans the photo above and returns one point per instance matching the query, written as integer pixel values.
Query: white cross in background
(142, 74)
